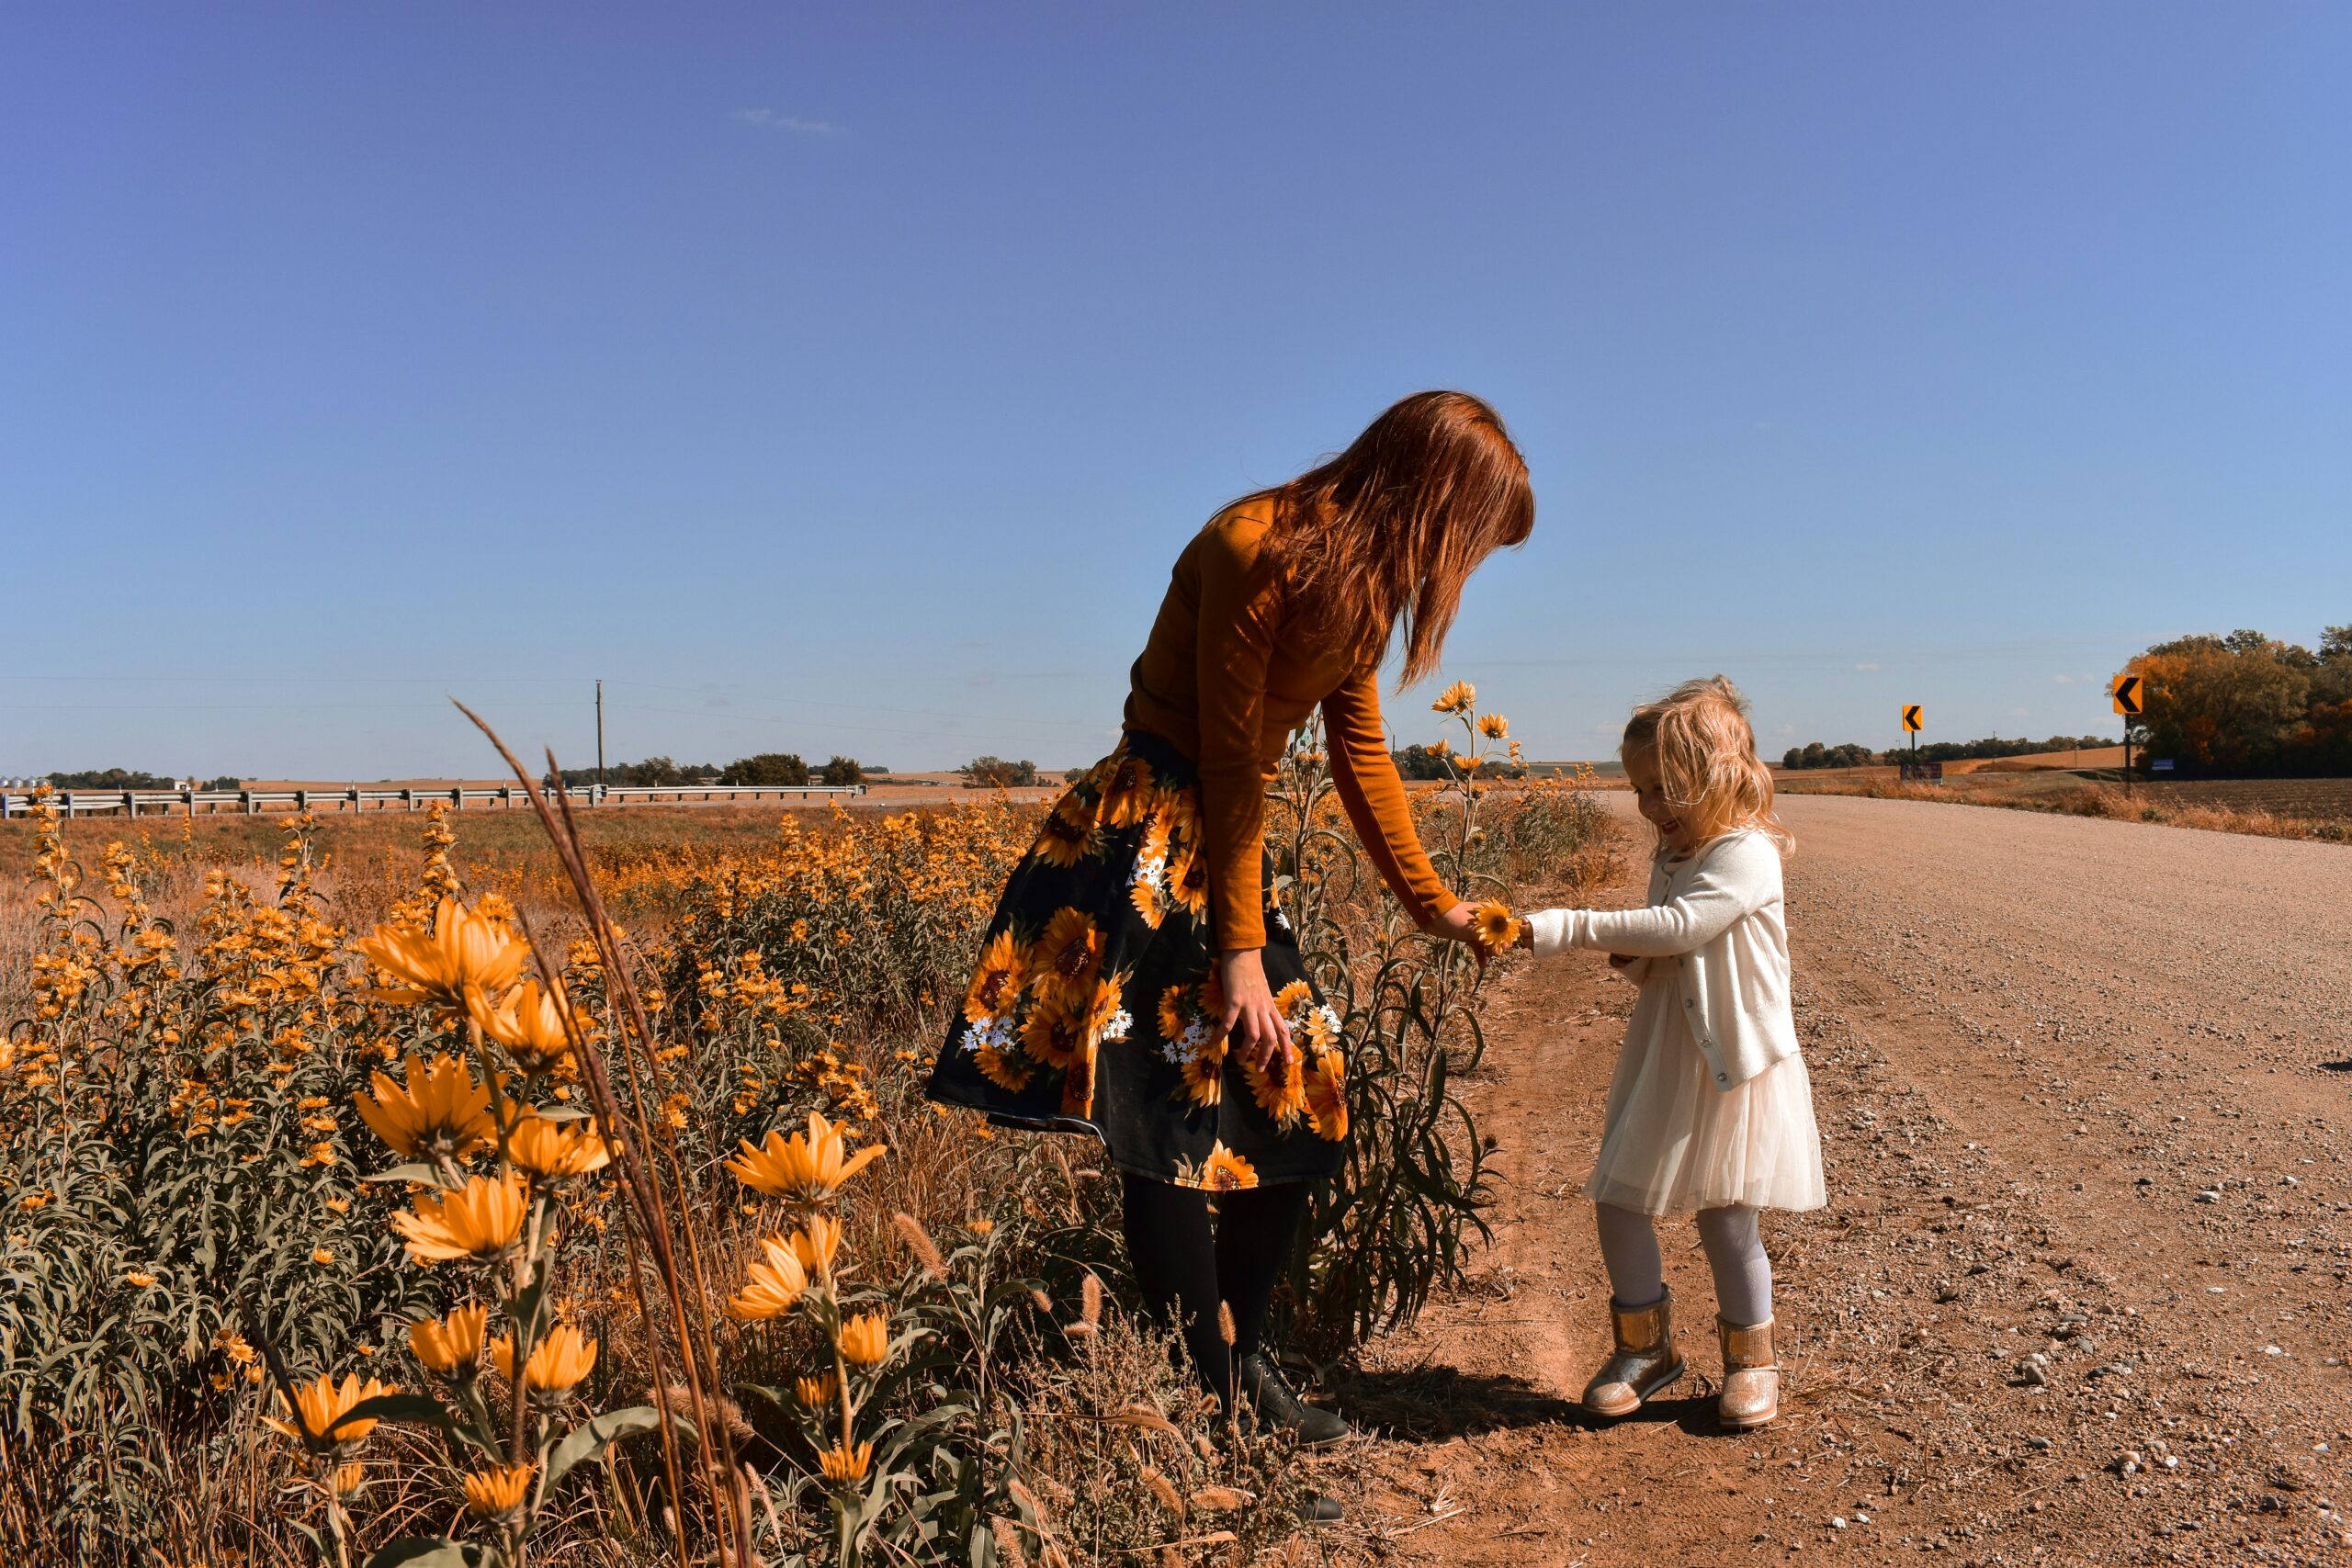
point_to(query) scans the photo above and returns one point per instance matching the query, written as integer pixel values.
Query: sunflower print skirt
(1094, 1005)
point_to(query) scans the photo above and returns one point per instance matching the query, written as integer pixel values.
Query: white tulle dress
(1675, 1139)
(1672, 1142)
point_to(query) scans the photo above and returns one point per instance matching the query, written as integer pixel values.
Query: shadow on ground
(1430, 1403)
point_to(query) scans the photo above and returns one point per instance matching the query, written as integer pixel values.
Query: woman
(1138, 983)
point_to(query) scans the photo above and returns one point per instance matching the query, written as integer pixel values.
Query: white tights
(1735, 1252)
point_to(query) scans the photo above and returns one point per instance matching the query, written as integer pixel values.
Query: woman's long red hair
(1391, 528)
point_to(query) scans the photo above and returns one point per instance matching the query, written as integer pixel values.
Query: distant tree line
(995, 772)
(2248, 706)
(768, 769)
(131, 778)
(1814, 754)
(110, 778)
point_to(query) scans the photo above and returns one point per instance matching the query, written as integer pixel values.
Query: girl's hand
(1252, 1026)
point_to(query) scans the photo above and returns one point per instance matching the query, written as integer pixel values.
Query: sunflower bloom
(1280, 1090)
(350, 1478)
(865, 1339)
(847, 1463)
(321, 1406)
(1063, 959)
(996, 981)
(1126, 795)
(481, 1219)
(1494, 727)
(1494, 926)
(1203, 1073)
(770, 1288)
(1327, 1095)
(450, 1345)
(1078, 1080)
(1054, 1033)
(440, 1113)
(463, 952)
(1227, 1171)
(1063, 837)
(556, 1149)
(1007, 1073)
(531, 1024)
(494, 1492)
(805, 1168)
(1175, 1011)
(1189, 885)
(1455, 698)
(815, 1394)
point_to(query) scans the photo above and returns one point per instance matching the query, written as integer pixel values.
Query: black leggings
(1186, 1267)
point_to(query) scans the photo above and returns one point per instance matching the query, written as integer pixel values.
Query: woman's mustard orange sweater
(1227, 674)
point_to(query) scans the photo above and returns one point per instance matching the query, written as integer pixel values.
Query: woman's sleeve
(1365, 775)
(1239, 612)
(1732, 884)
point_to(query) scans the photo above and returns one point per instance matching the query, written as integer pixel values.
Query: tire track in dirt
(2079, 1293)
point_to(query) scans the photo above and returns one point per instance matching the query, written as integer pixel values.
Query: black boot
(1279, 1407)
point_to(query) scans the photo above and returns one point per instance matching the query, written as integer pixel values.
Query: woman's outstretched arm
(1365, 775)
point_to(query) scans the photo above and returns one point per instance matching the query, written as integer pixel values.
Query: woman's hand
(1252, 1026)
(1457, 924)
(1461, 924)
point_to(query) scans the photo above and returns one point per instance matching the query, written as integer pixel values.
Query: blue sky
(845, 378)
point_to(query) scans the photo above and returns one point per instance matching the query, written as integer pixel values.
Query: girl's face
(1649, 794)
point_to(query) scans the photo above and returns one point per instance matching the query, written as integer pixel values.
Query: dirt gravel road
(2080, 1293)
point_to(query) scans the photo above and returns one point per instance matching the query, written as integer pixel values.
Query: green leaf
(420, 1408)
(430, 1175)
(590, 1439)
(426, 1552)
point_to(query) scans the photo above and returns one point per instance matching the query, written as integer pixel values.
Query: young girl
(1710, 1108)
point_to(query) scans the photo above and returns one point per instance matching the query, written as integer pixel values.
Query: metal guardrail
(251, 802)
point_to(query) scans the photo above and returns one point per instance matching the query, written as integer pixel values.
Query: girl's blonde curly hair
(1706, 760)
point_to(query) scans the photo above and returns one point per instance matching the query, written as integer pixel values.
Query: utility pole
(600, 739)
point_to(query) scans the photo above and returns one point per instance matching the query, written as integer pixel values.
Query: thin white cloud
(1866, 669)
(768, 120)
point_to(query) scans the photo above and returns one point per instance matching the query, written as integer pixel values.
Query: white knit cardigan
(1719, 917)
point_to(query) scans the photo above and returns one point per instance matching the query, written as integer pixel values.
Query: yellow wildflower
(865, 1339)
(464, 952)
(807, 1167)
(451, 1344)
(440, 1113)
(479, 1220)
(772, 1287)
(496, 1492)
(323, 1405)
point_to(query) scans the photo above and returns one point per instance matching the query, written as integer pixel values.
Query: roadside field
(2324, 800)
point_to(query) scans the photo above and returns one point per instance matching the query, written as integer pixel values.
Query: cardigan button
(1723, 1078)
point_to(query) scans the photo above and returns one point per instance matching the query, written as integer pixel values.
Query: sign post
(2127, 691)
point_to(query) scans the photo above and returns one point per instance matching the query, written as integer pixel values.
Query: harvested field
(2324, 799)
